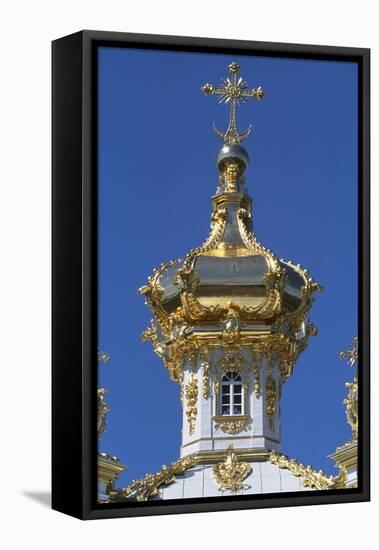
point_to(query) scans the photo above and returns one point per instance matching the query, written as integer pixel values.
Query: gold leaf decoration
(148, 487)
(191, 393)
(231, 473)
(232, 424)
(271, 394)
(310, 477)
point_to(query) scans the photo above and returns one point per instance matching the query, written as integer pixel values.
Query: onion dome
(231, 270)
(231, 283)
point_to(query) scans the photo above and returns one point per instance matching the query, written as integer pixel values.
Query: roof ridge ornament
(235, 92)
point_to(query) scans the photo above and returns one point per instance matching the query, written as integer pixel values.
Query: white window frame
(231, 383)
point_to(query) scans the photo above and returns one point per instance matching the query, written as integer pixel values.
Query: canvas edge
(83, 378)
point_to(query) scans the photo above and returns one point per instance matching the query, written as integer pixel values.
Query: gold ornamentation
(310, 477)
(351, 401)
(234, 92)
(340, 481)
(257, 382)
(151, 334)
(346, 458)
(351, 354)
(231, 174)
(231, 335)
(191, 393)
(231, 473)
(205, 363)
(108, 470)
(271, 394)
(232, 424)
(102, 410)
(255, 367)
(148, 487)
(145, 488)
(231, 361)
(102, 407)
(175, 349)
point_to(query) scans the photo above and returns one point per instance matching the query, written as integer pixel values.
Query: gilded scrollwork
(148, 487)
(257, 381)
(232, 424)
(191, 394)
(351, 403)
(310, 477)
(231, 324)
(271, 399)
(231, 473)
(351, 400)
(351, 354)
(206, 365)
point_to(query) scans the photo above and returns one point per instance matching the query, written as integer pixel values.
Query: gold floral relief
(191, 394)
(231, 473)
(232, 424)
(271, 394)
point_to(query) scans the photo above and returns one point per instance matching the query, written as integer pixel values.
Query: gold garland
(310, 477)
(191, 393)
(148, 487)
(232, 424)
(271, 394)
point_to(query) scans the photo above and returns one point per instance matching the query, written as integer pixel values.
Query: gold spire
(233, 91)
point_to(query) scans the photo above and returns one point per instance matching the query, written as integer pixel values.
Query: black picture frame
(74, 273)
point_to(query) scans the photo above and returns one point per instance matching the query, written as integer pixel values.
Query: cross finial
(233, 91)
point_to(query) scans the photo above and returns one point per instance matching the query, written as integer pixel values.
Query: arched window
(231, 394)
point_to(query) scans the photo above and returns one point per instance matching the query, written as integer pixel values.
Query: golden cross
(233, 91)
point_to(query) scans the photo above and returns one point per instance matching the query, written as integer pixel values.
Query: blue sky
(157, 173)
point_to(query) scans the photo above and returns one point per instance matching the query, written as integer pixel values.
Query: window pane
(237, 409)
(237, 399)
(236, 376)
(237, 388)
(225, 389)
(225, 410)
(225, 399)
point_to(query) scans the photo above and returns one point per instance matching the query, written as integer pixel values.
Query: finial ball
(232, 153)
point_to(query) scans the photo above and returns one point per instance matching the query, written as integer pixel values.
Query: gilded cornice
(346, 456)
(185, 344)
(108, 468)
